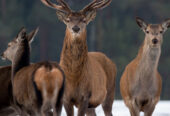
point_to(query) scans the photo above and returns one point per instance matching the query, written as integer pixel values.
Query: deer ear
(166, 24)
(90, 16)
(62, 16)
(32, 34)
(142, 24)
(21, 35)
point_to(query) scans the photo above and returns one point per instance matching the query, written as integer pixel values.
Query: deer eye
(161, 32)
(68, 20)
(147, 32)
(84, 20)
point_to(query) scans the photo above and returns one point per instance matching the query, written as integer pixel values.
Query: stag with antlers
(90, 76)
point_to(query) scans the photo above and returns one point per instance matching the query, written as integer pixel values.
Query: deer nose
(76, 29)
(155, 41)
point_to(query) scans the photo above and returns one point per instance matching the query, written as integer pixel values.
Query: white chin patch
(75, 35)
(155, 45)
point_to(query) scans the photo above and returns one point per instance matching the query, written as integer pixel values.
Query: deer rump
(36, 83)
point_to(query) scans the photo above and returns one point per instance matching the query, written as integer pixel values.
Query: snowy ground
(119, 109)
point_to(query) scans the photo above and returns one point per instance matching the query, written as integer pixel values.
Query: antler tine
(50, 4)
(97, 5)
(89, 6)
(102, 5)
(66, 6)
(61, 7)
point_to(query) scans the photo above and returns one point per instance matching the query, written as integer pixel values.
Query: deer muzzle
(155, 41)
(76, 29)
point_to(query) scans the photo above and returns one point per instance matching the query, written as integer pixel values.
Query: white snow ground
(119, 109)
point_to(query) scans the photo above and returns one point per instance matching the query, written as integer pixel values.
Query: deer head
(77, 21)
(14, 45)
(153, 32)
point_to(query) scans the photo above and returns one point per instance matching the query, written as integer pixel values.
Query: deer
(36, 87)
(141, 83)
(90, 76)
(6, 99)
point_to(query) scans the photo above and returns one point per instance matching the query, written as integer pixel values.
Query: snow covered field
(119, 109)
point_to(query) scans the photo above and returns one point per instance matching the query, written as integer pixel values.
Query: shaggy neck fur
(22, 57)
(148, 58)
(74, 54)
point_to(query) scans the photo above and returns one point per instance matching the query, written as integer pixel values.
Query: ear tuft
(166, 24)
(142, 24)
(22, 34)
(32, 35)
(22, 31)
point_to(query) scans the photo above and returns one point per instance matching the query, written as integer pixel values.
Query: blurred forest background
(114, 31)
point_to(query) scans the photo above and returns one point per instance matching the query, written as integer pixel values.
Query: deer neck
(148, 58)
(74, 54)
(21, 58)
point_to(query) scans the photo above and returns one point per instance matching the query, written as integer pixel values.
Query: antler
(63, 6)
(94, 5)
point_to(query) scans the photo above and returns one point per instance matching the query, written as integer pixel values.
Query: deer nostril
(155, 41)
(76, 29)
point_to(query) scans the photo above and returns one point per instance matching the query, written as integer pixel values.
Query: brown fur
(5, 89)
(90, 76)
(6, 100)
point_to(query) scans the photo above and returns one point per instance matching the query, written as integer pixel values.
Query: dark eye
(84, 20)
(147, 32)
(161, 32)
(68, 20)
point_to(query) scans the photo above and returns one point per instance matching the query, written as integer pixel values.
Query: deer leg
(59, 107)
(107, 104)
(149, 109)
(53, 105)
(69, 108)
(83, 107)
(8, 112)
(133, 108)
(45, 108)
(134, 112)
(24, 113)
(90, 112)
(54, 111)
